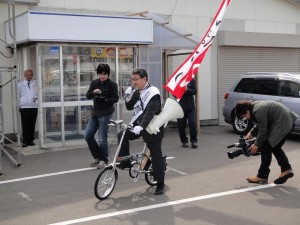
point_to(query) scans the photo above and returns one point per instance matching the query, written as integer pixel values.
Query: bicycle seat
(116, 122)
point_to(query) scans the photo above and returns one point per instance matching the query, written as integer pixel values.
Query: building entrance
(64, 74)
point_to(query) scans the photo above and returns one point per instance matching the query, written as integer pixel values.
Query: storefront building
(63, 41)
(64, 50)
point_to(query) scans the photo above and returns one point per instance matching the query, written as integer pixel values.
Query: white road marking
(177, 171)
(198, 198)
(23, 195)
(46, 175)
(97, 217)
(52, 174)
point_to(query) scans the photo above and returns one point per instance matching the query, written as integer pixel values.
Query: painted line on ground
(177, 171)
(171, 203)
(26, 196)
(52, 174)
(46, 175)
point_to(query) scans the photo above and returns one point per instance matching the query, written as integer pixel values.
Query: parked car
(280, 87)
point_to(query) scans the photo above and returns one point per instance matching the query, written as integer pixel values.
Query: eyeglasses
(102, 74)
(135, 79)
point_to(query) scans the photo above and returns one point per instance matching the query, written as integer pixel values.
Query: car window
(288, 88)
(244, 85)
(264, 87)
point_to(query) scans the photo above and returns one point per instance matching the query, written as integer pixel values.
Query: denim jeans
(98, 150)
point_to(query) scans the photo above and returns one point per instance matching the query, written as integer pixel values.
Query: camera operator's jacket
(273, 122)
(103, 103)
(150, 107)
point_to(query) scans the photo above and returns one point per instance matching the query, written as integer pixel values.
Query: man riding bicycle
(145, 100)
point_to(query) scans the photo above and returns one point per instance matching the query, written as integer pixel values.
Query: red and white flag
(186, 71)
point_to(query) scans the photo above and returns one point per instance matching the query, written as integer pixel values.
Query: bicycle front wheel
(105, 183)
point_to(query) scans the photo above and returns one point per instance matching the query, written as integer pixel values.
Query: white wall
(7, 62)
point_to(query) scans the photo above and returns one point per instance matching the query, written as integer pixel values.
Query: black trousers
(28, 120)
(158, 160)
(190, 116)
(266, 158)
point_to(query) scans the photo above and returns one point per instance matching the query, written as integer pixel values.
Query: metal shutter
(234, 61)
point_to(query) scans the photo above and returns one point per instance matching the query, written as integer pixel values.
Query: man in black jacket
(187, 103)
(145, 100)
(104, 93)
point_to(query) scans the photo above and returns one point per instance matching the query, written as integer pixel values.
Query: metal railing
(3, 138)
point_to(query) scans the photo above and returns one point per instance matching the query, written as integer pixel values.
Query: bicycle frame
(118, 148)
(131, 156)
(140, 164)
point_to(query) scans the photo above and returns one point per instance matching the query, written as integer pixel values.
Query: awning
(34, 26)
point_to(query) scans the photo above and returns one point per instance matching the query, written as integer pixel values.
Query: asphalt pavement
(203, 186)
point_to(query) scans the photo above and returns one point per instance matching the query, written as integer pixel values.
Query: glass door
(64, 82)
(51, 92)
(65, 74)
(127, 62)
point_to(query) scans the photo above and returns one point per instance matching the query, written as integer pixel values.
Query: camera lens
(234, 153)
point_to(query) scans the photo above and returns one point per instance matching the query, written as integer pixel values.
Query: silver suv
(280, 87)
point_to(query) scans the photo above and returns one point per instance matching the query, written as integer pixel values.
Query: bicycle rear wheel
(105, 183)
(149, 175)
(132, 171)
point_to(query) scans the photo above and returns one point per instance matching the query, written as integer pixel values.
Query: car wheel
(241, 126)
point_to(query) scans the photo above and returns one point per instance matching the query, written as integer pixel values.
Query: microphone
(129, 91)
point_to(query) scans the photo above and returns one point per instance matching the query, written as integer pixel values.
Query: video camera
(241, 148)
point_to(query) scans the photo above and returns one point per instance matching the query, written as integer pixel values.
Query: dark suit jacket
(153, 108)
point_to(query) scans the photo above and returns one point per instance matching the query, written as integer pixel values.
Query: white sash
(140, 105)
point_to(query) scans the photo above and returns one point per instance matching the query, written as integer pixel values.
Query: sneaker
(31, 143)
(160, 189)
(185, 144)
(284, 176)
(258, 180)
(194, 145)
(95, 163)
(101, 165)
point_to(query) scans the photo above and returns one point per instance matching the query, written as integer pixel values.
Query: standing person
(187, 102)
(145, 100)
(274, 122)
(104, 93)
(28, 107)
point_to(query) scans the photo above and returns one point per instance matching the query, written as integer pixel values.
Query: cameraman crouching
(274, 122)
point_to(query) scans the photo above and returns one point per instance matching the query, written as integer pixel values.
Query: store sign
(54, 50)
(38, 26)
